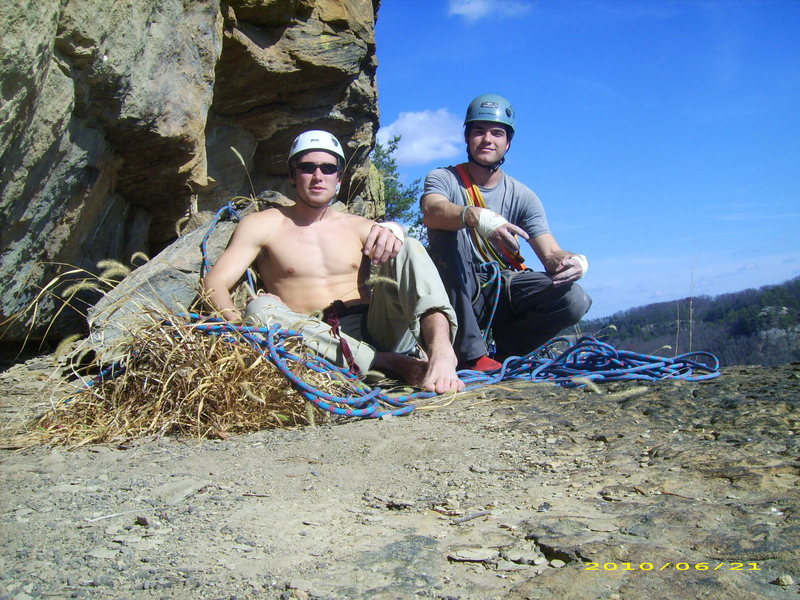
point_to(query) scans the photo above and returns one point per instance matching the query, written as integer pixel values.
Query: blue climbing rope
(496, 279)
(589, 359)
(361, 401)
(229, 210)
(586, 360)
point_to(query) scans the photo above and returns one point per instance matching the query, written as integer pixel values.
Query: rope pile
(593, 360)
(588, 359)
(363, 401)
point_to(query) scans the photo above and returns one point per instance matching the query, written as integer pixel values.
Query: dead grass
(178, 380)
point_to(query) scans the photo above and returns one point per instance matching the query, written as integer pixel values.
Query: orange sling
(485, 248)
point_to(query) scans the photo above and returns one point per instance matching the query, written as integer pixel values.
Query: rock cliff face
(117, 120)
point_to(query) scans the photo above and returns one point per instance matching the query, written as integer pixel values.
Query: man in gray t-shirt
(474, 212)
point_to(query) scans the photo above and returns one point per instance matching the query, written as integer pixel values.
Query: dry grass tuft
(181, 381)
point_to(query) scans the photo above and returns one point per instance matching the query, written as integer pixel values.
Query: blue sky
(662, 137)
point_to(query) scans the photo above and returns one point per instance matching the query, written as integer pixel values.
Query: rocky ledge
(666, 490)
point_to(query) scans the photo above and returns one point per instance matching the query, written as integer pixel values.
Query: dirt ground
(521, 491)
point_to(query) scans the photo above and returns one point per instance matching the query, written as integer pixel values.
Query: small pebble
(142, 521)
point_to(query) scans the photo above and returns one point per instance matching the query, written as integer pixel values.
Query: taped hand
(570, 268)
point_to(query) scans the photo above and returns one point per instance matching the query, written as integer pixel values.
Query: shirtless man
(310, 255)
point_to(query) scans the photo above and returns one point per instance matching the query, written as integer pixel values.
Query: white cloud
(472, 10)
(425, 136)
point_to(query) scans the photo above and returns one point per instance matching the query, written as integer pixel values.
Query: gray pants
(531, 310)
(392, 319)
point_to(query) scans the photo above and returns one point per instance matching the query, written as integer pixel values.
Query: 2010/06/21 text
(681, 566)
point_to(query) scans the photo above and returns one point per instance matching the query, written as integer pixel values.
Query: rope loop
(229, 211)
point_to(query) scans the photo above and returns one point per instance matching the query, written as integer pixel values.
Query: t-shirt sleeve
(529, 212)
(442, 181)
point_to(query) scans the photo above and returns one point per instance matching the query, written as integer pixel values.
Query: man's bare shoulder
(351, 221)
(256, 229)
(263, 220)
(267, 215)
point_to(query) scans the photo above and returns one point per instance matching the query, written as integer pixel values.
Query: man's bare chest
(313, 253)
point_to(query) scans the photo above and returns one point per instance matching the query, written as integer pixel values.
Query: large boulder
(168, 284)
(117, 121)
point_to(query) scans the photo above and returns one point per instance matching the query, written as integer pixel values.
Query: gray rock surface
(657, 491)
(167, 284)
(117, 120)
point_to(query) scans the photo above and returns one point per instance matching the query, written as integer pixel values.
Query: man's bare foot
(440, 374)
(435, 375)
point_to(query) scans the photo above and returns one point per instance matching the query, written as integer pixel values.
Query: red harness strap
(330, 315)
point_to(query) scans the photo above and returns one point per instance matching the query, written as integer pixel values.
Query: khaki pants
(393, 317)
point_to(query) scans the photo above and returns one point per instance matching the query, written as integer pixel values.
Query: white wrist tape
(488, 221)
(397, 229)
(583, 262)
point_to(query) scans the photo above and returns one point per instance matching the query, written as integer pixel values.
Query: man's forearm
(222, 302)
(445, 215)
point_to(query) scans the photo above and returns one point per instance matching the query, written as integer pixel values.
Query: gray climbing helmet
(492, 108)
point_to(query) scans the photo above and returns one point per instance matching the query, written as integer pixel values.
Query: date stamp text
(668, 566)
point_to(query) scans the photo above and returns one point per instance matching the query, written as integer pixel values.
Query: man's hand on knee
(384, 242)
(570, 268)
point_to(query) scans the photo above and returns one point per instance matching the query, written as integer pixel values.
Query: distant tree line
(754, 326)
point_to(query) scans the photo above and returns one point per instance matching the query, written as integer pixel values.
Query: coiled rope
(587, 360)
(496, 279)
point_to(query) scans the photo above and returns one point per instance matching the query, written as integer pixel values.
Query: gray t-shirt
(510, 198)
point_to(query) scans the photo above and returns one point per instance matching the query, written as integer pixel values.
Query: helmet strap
(490, 168)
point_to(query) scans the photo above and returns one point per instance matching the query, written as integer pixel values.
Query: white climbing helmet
(317, 139)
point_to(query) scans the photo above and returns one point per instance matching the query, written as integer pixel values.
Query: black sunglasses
(309, 167)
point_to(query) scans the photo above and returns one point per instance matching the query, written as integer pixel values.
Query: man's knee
(578, 303)
(410, 253)
(413, 245)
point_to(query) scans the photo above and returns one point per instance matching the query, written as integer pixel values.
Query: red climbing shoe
(484, 363)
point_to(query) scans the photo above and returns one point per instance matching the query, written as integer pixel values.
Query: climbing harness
(332, 315)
